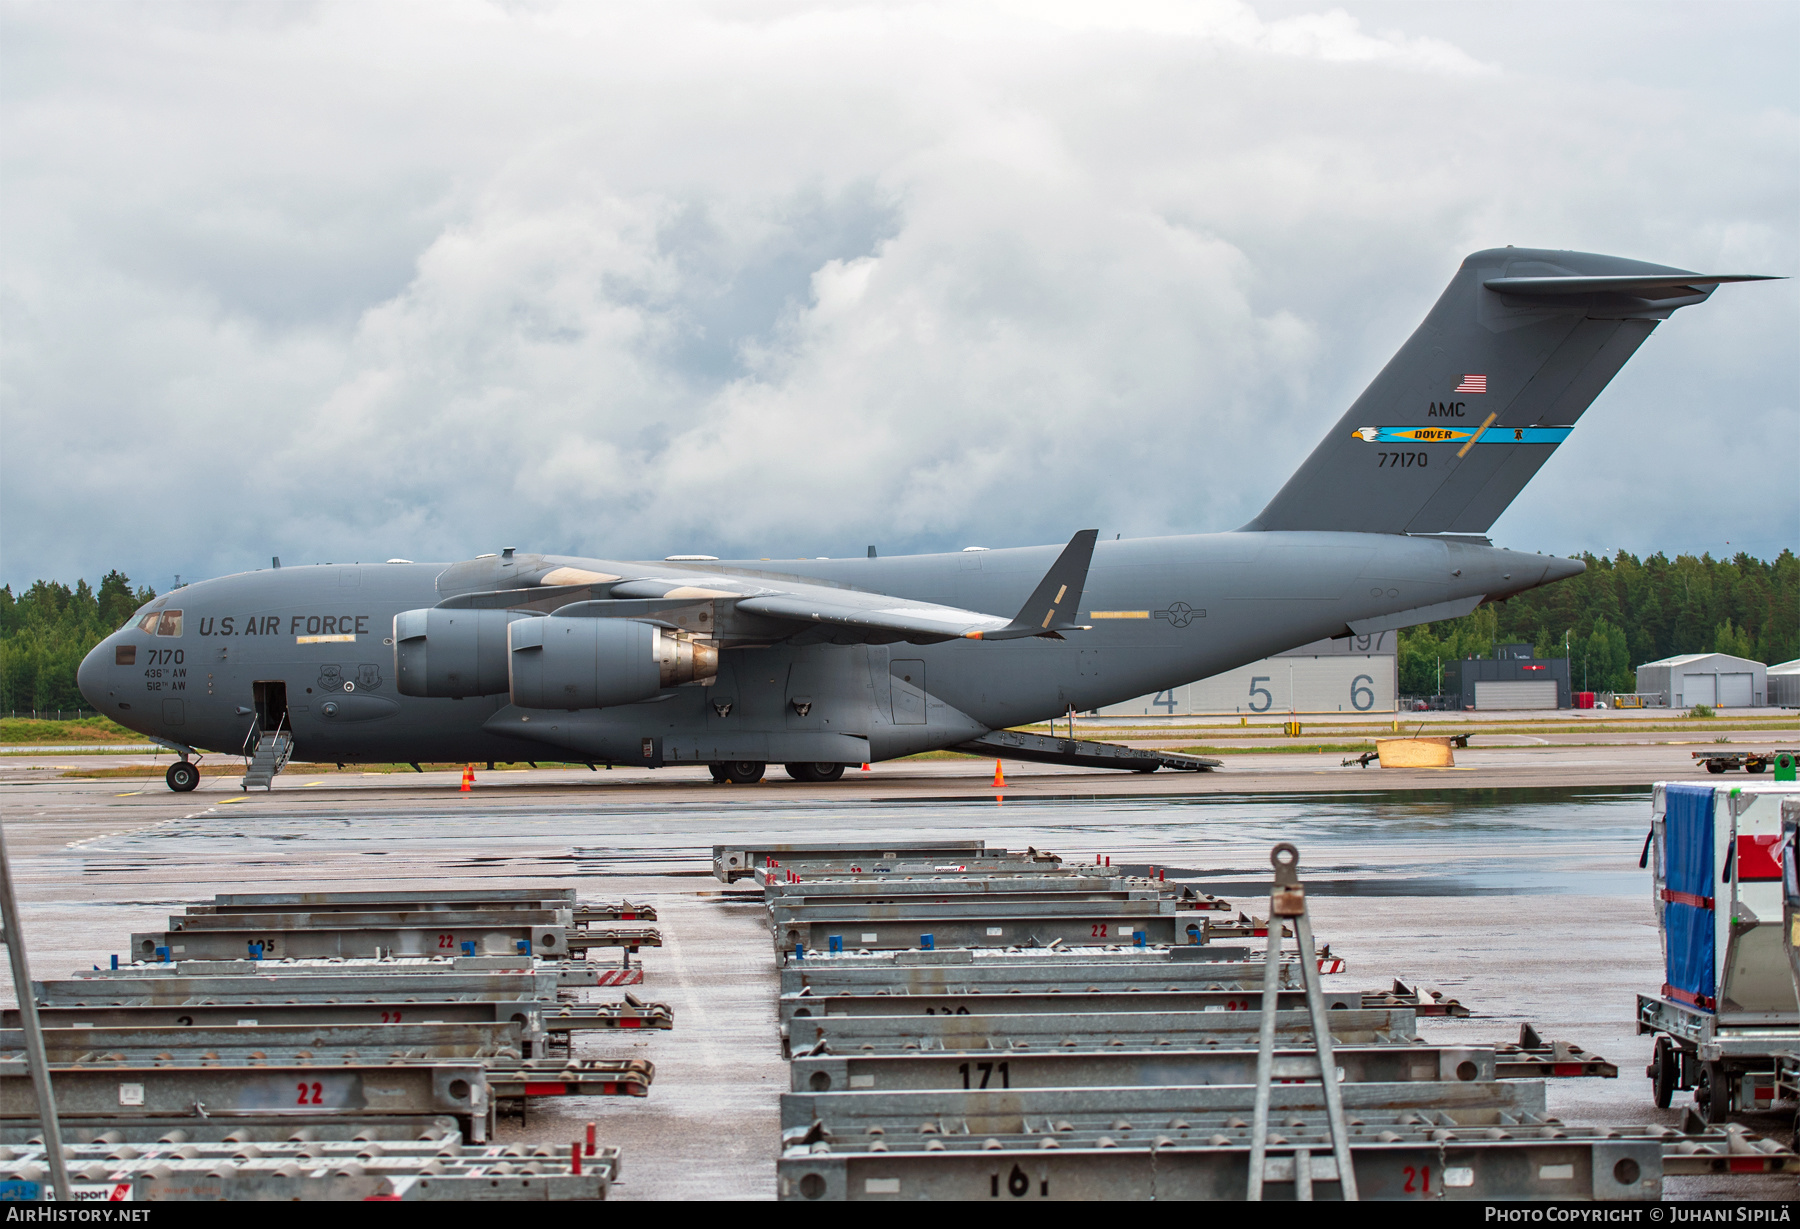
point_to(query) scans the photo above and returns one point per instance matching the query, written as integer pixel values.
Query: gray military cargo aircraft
(818, 664)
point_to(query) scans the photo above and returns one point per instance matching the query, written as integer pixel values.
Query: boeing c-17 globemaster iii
(819, 664)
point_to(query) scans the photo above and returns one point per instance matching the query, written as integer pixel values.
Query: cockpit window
(148, 622)
(171, 623)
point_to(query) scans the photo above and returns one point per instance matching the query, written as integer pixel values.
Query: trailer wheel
(1755, 765)
(1712, 1095)
(1665, 1072)
(1716, 765)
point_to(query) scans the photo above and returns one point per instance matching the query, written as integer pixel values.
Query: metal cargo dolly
(733, 862)
(1782, 759)
(1728, 1007)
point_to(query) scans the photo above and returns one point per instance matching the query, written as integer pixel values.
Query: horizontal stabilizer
(1641, 286)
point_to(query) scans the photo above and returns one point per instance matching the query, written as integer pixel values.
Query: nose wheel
(182, 776)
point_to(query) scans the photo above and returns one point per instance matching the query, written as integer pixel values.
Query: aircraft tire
(745, 772)
(182, 776)
(815, 773)
(718, 772)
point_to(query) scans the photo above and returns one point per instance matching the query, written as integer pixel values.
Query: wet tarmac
(1522, 902)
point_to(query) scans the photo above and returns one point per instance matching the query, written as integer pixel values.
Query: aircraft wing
(744, 608)
(1055, 599)
(875, 612)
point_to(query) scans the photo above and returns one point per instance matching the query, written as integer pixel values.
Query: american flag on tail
(1471, 384)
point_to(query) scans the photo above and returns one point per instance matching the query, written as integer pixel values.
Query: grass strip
(14, 730)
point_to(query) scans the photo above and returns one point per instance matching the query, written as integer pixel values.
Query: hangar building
(1511, 679)
(1717, 680)
(1784, 684)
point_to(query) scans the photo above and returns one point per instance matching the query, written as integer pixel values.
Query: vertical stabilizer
(1478, 398)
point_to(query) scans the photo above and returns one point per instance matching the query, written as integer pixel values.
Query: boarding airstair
(269, 758)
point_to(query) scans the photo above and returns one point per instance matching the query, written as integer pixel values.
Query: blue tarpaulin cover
(1688, 892)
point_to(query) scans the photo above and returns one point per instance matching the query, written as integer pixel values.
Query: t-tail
(1478, 398)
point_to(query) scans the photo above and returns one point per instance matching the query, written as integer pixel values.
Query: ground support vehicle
(1728, 1006)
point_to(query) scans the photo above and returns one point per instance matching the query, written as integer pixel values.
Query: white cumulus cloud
(349, 281)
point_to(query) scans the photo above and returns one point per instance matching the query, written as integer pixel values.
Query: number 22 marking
(318, 1095)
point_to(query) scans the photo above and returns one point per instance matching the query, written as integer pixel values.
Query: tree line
(1620, 613)
(1623, 612)
(46, 631)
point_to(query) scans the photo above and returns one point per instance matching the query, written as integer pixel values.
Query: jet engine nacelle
(575, 662)
(452, 653)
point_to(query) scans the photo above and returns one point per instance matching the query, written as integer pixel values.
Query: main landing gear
(814, 772)
(183, 775)
(749, 772)
(738, 772)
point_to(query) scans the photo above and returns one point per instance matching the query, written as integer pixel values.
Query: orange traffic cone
(468, 778)
(999, 778)
(865, 768)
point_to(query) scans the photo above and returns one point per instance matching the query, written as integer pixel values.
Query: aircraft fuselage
(1161, 612)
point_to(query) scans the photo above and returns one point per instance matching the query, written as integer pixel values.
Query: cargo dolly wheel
(1712, 1095)
(1665, 1071)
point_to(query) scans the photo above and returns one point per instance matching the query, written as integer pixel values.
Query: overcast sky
(350, 281)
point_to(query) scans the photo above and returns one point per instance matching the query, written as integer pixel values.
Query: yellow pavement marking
(133, 794)
(310, 784)
(223, 801)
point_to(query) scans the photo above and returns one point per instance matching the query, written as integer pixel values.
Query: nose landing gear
(183, 775)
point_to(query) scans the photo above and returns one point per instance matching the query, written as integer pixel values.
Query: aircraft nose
(90, 676)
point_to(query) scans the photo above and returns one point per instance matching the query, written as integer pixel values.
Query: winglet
(1052, 605)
